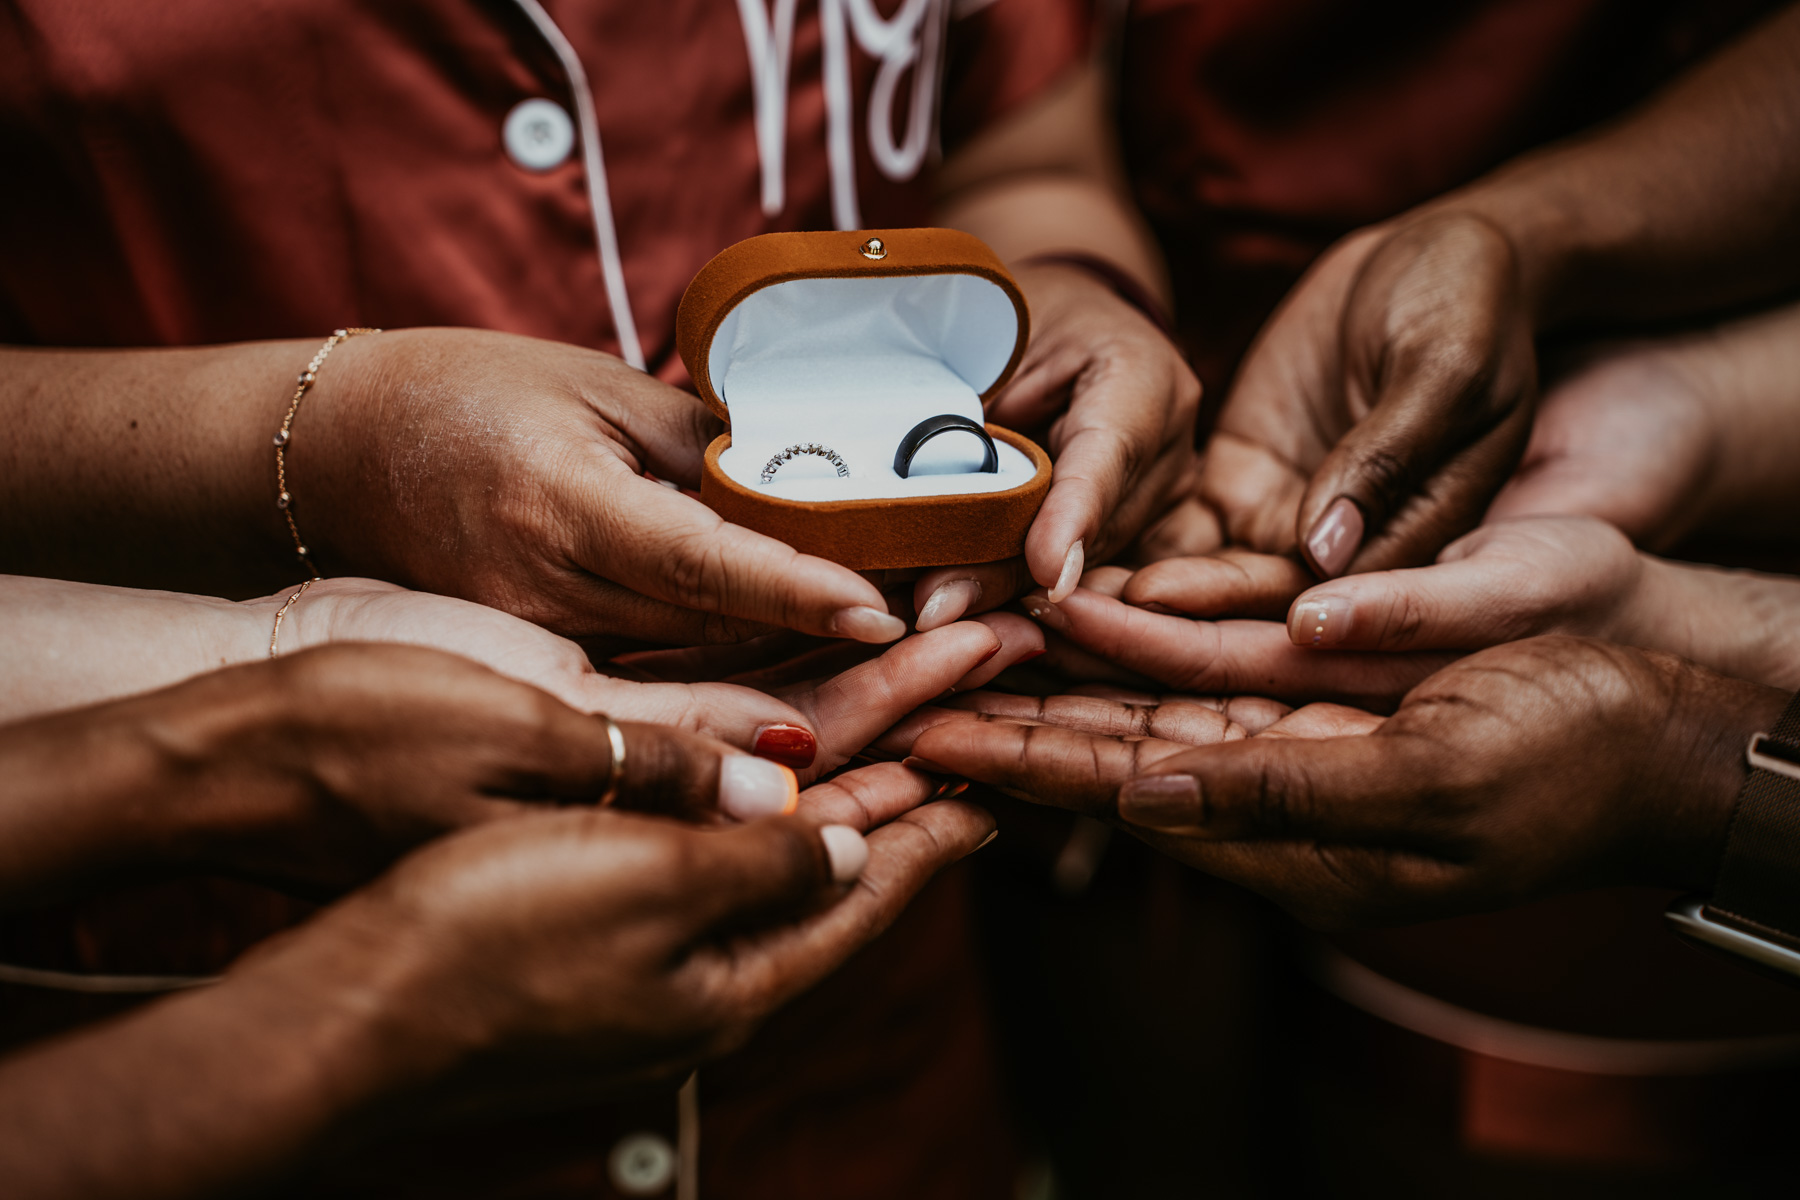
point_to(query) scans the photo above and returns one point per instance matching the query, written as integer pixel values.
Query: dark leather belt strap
(1759, 879)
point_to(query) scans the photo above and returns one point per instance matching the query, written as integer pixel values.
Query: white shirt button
(538, 134)
(642, 1164)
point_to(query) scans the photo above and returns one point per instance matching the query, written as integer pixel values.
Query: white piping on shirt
(612, 269)
(912, 39)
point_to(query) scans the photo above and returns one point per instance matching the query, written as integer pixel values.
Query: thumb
(1468, 604)
(1344, 789)
(770, 868)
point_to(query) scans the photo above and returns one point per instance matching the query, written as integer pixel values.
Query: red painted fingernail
(789, 745)
(1034, 654)
(984, 658)
(948, 790)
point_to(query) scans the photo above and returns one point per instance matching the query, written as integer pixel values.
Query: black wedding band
(929, 428)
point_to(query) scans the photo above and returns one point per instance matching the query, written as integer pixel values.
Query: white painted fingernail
(1073, 562)
(949, 602)
(866, 624)
(846, 849)
(753, 788)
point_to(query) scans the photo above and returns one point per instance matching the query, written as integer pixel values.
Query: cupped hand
(1631, 437)
(1536, 767)
(511, 471)
(1114, 404)
(1385, 402)
(637, 946)
(812, 722)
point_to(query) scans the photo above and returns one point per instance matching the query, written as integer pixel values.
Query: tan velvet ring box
(847, 341)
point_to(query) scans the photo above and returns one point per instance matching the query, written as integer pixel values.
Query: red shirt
(186, 173)
(182, 172)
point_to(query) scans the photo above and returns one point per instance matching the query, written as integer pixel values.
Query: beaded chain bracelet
(283, 499)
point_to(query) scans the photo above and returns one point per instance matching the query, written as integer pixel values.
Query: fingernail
(984, 841)
(848, 853)
(866, 624)
(951, 790)
(753, 788)
(986, 658)
(913, 763)
(1162, 801)
(949, 602)
(1163, 609)
(1319, 621)
(1044, 611)
(1333, 542)
(1073, 562)
(1025, 658)
(789, 745)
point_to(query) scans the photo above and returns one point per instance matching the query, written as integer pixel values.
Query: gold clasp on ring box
(874, 248)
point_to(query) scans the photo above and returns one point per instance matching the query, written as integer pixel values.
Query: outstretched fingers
(1060, 767)
(673, 549)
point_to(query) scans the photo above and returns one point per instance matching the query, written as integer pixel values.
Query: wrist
(1711, 721)
(325, 457)
(232, 770)
(1542, 235)
(1111, 276)
(357, 980)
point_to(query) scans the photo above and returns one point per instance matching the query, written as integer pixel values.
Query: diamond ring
(813, 448)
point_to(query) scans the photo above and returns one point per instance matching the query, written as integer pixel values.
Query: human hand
(317, 770)
(1535, 767)
(1670, 437)
(1114, 404)
(639, 946)
(1506, 581)
(812, 719)
(1096, 636)
(1383, 404)
(1629, 437)
(518, 963)
(510, 471)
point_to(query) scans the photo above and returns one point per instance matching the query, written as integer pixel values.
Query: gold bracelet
(275, 633)
(283, 499)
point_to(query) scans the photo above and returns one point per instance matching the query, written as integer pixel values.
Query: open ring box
(846, 341)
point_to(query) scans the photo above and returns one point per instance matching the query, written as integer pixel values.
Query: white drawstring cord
(612, 269)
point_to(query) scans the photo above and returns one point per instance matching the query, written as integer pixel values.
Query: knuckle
(1282, 802)
(696, 573)
(1406, 618)
(1386, 473)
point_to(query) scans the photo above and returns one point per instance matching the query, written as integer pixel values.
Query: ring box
(846, 341)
